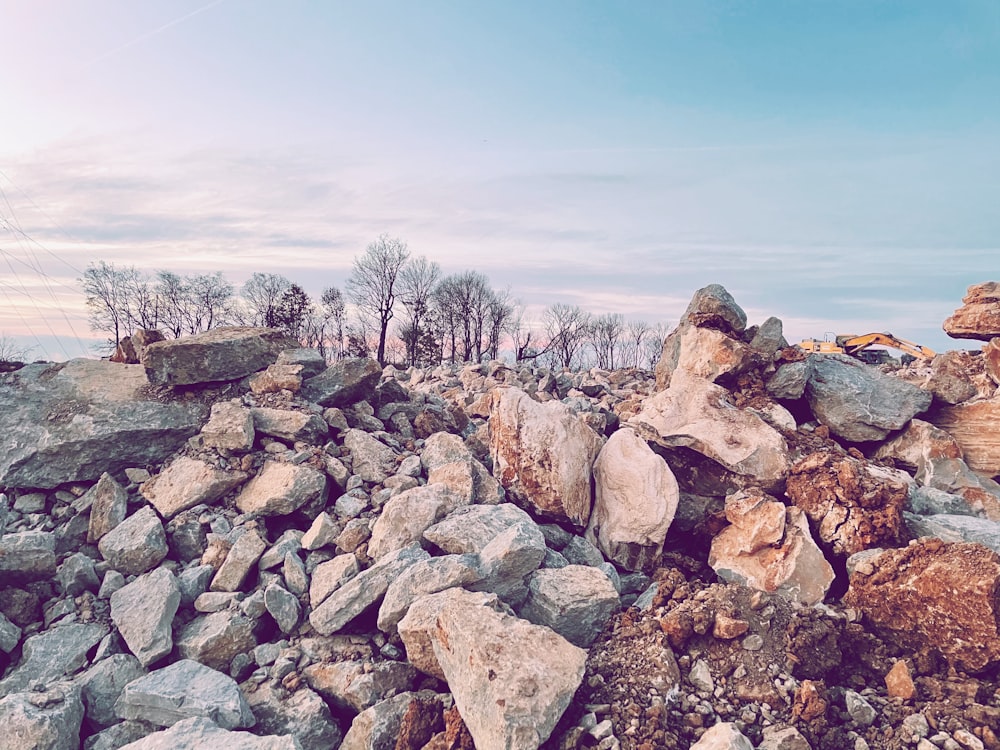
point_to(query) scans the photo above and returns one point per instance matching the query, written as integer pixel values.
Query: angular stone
(362, 591)
(973, 425)
(511, 680)
(224, 353)
(331, 575)
(979, 315)
(281, 488)
(899, 682)
(135, 545)
(378, 727)
(471, 528)
(42, 721)
(322, 532)
(199, 733)
(289, 425)
(301, 714)
(448, 461)
(73, 421)
(143, 611)
(508, 558)
(229, 428)
(120, 735)
(934, 596)
(308, 359)
(855, 505)
(542, 454)
(407, 515)
(357, 685)
(768, 547)
(703, 353)
(51, 655)
(952, 528)
(102, 685)
(723, 736)
(108, 502)
(576, 602)
(783, 738)
(10, 634)
(187, 482)
(343, 383)
(422, 578)
(371, 459)
(183, 690)
(714, 307)
(636, 497)
(27, 556)
(216, 638)
(241, 559)
(283, 607)
(277, 378)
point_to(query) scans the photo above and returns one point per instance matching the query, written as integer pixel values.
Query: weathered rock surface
(343, 383)
(703, 353)
(102, 685)
(187, 482)
(216, 638)
(934, 596)
(407, 515)
(198, 733)
(42, 721)
(542, 454)
(378, 727)
(979, 315)
(52, 655)
(281, 488)
(27, 556)
(143, 611)
(73, 421)
(636, 497)
(108, 504)
(286, 424)
(229, 428)
(301, 714)
(137, 544)
(226, 353)
(183, 690)
(855, 505)
(575, 601)
(973, 425)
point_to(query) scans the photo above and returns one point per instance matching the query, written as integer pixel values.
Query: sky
(834, 164)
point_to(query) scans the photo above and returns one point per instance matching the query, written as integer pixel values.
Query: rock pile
(232, 544)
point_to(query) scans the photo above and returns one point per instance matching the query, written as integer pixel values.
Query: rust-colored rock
(810, 702)
(974, 427)
(899, 682)
(979, 315)
(703, 353)
(854, 504)
(935, 596)
(991, 359)
(420, 722)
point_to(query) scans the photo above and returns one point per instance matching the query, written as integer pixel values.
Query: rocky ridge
(235, 544)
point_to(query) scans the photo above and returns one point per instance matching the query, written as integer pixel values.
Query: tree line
(395, 307)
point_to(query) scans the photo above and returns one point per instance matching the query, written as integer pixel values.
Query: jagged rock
(377, 728)
(10, 634)
(277, 378)
(855, 505)
(714, 307)
(288, 425)
(183, 690)
(448, 461)
(371, 459)
(979, 315)
(575, 601)
(510, 556)
(283, 606)
(703, 353)
(342, 383)
(723, 736)
(240, 560)
(407, 515)
(472, 527)
(422, 578)
(357, 685)
(973, 425)
(102, 685)
(27, 556)
(199, 733)
(991, 358)
(301, 714)
(187, 482)
(417, 626)
(934, 596)
(511, 680)
(578, 551)
(768, 547)
(76, 574)
(769, 338)
(42, 721)
(783, 738)
(73, 421)
(542, 454)
(696, 417)
(216, 638)
(856, 401)
(955, 528)
(120, 735)
(949, 380)
(137, 544)
(936, 460)
(362, 591)
(281, 488)
(636, 497)
(51, 655)
(143, 611)
(331, 575)
(225, 353)
(229, 428)
(108, 503)
(310, 360)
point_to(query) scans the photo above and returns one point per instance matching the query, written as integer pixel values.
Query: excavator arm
(854, 344)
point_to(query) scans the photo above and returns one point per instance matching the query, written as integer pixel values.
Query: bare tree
(260, 296)
(172, 295)
(567, 327)
(633, 353)
(417, 281)
(333, 310)
(522, 335)
(10, 351)
(472, 315)
(653, 344)
(209, 298)
(106, 288)
(372, 285)
(606, 338)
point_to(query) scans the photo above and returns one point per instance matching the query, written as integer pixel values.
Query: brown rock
(420, 722)
(979, 315)
(277, 378)
(704, 353)
(973, 425)
(855, 505)
(726, 628)
(991, 358)
(809, 702)
(899, 682)
(935, 596)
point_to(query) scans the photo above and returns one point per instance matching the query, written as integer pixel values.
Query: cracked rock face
(979, 315)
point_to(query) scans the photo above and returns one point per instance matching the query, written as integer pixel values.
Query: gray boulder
(136, 544)
(714, 307)
(27, 556)
(229, 429)
(108, 503)
(378, 727)
(48, 720)
(301, 714)
(51, 655)
(422, 578)
(575, 601)
(955, 528)
(73, 421)
(289, 425)
(371, 459)
(216, 638)
(407, 515)
(200, 733)
(226, 353)
(188, 482)
(281, 488)
(143, 611)
(343, 383)
(183, 690)
(102, 685)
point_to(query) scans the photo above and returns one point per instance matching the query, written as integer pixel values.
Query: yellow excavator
(858, 346)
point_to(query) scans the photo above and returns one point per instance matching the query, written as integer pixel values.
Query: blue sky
(836, 164)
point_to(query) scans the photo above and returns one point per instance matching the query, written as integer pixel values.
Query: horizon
(834, 166)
